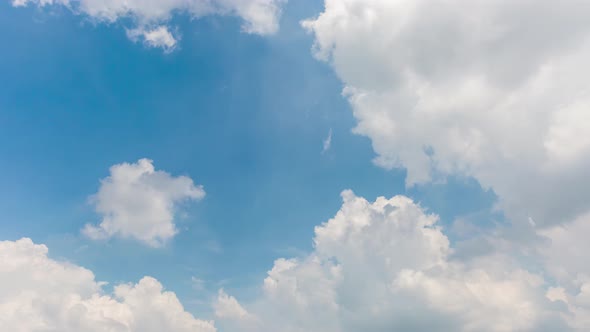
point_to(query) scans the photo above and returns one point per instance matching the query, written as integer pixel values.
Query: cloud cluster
(151, 18)
(387, 266)
(376, 266)
(136, 201)
(41, 294)
(496, 90)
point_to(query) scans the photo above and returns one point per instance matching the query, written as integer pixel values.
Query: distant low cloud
(151, 19)
(41, 294)
(137, 201)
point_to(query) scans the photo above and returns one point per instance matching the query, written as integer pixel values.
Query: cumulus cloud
(227, 307)
(496, 90)
(151, 18)
(492, 90)
(387, 266)
(137, 201)
(40, 294)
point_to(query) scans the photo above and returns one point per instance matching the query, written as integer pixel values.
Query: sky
(311, 165)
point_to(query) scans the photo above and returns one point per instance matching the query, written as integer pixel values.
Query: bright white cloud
(387, 266)
(137, 201)
(152, 17)
(497, 90)
(40, 294)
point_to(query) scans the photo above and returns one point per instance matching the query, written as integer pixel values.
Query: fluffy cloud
(151, 17)
(387, 266)
(497, 90)
(41, 294)
(136, 201)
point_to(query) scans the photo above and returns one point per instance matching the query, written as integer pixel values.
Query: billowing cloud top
(387, 266)
(152, 17)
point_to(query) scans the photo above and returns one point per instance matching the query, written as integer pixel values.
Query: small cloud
(158, 37)
(137, 201)
(327, 142)
(532, 222)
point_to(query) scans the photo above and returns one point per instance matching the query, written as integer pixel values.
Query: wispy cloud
(327, 142)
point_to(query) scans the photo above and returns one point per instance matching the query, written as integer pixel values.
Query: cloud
(41, 294)
(151, 19)
(136, 201)
(493, 90)
(327, 144)
(227, 307)
(387, 266)
(566, 251)
(158, 37)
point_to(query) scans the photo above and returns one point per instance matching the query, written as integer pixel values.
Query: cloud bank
(137, 201)
(151, 19)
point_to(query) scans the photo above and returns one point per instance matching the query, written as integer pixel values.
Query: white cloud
(152, 17)
(387, 266)
(136, 201)
(227, 307)
(497, 90)
(158, 37)
(41, 294)
(327, 144)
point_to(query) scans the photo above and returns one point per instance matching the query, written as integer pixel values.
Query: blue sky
(243, 114)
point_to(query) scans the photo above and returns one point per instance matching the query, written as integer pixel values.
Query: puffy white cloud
(136, 201)
(388, 266)
(497, 90)
(40, 294)
(151, 17)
